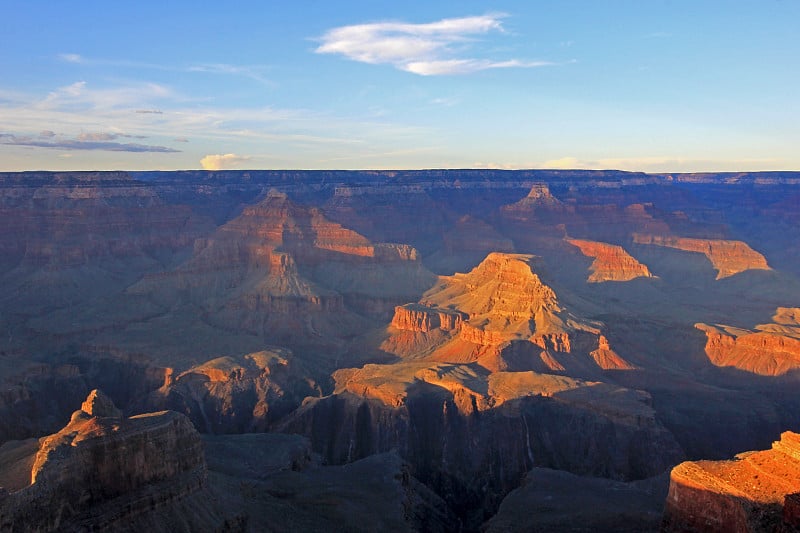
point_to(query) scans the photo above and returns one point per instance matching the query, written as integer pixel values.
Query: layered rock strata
(501, 314)
(769, 350)
(611, 262)
(754, 492)
(109, 471)
(727, 257)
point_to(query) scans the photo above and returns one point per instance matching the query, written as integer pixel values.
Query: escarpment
(114, 472)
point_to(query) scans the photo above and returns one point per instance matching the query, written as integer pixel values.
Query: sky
(644, 85)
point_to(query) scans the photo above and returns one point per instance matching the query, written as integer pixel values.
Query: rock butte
(758, 491)
(500, 302)
(611, 262)
(727, 257)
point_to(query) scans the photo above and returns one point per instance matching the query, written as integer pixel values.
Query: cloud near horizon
(102, 141)
(426, 49)
(222, 161)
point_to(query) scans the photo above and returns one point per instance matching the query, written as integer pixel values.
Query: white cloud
(563, 163)
(71, 58)
(425, 49)
(222, 162)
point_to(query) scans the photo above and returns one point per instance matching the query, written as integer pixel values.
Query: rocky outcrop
(727, 257)
(611, 262)
(771, 350)
(744, 494)
(238, 394)
(111, 471)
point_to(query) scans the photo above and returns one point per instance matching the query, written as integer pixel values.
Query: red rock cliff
(745, 494)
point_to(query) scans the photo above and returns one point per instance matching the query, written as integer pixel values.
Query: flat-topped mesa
(99, 457)
(771, 350)
(727, 257)
(755, 492)
(611, 262)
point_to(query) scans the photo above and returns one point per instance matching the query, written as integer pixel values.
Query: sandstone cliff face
(415, 317)
(98, 465)
(611, 262)
(745, 494)
(727, 257)
(770, 350)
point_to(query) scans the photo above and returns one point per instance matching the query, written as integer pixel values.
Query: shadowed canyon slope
(441, 335)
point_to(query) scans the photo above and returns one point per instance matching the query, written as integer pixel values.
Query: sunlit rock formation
(611, 262)
(502, 315)
(745, 494)
(727, 257)
(238, 394)
(771, 350)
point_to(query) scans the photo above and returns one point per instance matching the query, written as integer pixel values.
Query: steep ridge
(727, 257)
(113, 472)
(611, 262)
(771, 350)
(757, 491)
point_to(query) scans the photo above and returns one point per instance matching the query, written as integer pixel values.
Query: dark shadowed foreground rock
(757, 491)
(105, 472)
(553, 500)
(279, 484)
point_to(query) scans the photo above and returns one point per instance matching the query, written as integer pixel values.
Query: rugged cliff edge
(757, 491)
(112, 472)
(771, 350)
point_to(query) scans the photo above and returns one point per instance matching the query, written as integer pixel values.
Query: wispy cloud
(254, 72)
(430, 49)
(222, 161)
(659, 163)
(71, 58)
(90, 142)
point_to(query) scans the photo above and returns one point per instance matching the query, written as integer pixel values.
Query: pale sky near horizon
(656, 85)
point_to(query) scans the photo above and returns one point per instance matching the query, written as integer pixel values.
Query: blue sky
(659, 85)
